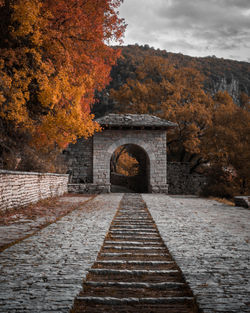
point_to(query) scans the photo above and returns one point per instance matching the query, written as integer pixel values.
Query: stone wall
(181, 182)
(88, 161)
(243, 201)
(22, 188)
(153, 142)
(88, 188)
(79, 159)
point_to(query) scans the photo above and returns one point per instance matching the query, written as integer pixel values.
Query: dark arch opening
(129, 169)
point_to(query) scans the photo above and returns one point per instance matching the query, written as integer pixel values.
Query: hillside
(220, 74)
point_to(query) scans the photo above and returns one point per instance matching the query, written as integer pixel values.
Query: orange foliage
(124, 163)
(54, 54)
(175, 94)
(212, 130)
(127, 165)
(227, 141)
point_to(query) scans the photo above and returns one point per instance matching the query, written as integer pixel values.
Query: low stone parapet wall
(22, 188)
(88, 188)
(243, 201)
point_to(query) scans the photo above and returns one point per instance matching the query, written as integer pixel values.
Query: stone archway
(122, 138)
(90, 159)
(132, 177)
(153, 143)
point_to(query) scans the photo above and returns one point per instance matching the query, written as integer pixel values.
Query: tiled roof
(134, 121)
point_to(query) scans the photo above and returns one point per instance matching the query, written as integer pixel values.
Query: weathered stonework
(243, 201)
(175, 179)
(21, 188)
(88, 188)
(79, 158)
(89, 160)
(153, 142)
(181, 182)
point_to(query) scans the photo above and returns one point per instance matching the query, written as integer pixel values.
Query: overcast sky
(193, 27)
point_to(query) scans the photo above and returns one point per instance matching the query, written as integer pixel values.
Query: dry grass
(50, 208)
(223, 200)
(44, 213)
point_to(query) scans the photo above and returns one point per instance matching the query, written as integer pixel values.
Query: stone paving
(44, 272)
(134, 271)
(211, 244)
(22, 226)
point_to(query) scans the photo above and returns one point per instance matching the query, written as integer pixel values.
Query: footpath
(43, 273)
(210, 241)
(134, 271)
(174, 254)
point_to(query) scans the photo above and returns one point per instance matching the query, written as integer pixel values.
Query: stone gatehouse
(89, 160)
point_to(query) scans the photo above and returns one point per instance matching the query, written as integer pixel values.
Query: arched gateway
(89, 160)
(130, 169)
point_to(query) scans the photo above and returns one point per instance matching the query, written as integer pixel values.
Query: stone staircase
(134, 271)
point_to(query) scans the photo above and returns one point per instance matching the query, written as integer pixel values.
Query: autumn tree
(227, 147)
(211, 131)
(217, 73)
(245, 100)
(124, 162)
(54, 54)
(175, 94)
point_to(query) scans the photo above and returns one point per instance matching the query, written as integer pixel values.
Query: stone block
(243, 201)
(21, 188)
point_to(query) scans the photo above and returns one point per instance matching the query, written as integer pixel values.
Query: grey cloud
(227, 46)
(202, 13)
(190, 25)
(180, 44)
(244, 4)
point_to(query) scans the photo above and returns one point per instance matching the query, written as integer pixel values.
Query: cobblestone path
(43, 274)
(134, 271)
(210, 242)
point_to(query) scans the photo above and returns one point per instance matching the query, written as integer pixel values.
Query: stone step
(109, 271)
(135, 257)
(133, 226)
(124, 254)
(134, 210)
(135, 266)
(134, 275)
(134, 243)
(138, 237)
(129, 229)
(170, 307)
(155, 238)
(137, 262)
(134, 261)
(129, 222)
(114, 232)
(133, 248)
(119, 301)
(164, 285)
(120, 292)
(134, 215)
(138, 220)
